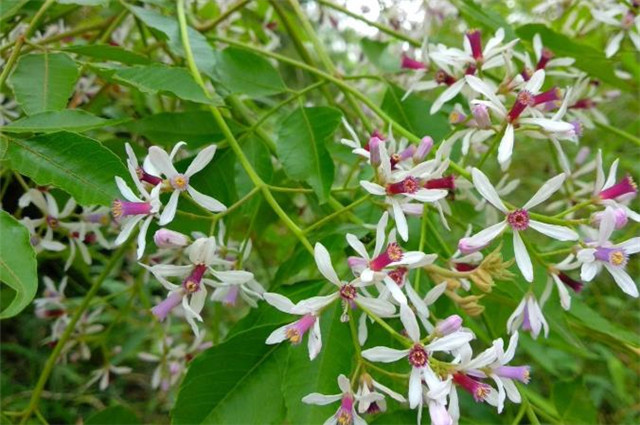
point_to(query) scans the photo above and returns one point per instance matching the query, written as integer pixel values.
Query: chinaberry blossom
(368, 387)
(562, 280)
(346, 414)
(613, 257)
(419, 353)
(528, 316)
(518, 219)
(179, 182)
(625, 19)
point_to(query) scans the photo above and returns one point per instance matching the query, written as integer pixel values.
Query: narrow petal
(487, 190)
(483, 88)
(415, 387)
(323, 261)
(206, 201)
(505, 149)
(280, 302)
(550, 187)
(321, 399)
(623, 280)
(278, 335)
(401, 221)
(560, 233)
(126, 192)
(373, 188)
(161, 161)
(201, 160)
(128, 227)
(395, 290)
(535, 82)
(169, 211)
(614, 44)
(380, 233)
(522, 257)
(357, 246)
(142, 237)
(384, 354)
(314, 345)
(408, 319)
(378, 306)
(447, 95)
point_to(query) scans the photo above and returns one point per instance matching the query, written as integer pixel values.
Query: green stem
(51, 361)
(492, 148)
(214, 23)
(255, 178)
(630, 137)
(576, 207)
(335, 214)
(404, 340)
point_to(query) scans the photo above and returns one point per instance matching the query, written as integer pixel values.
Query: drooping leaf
(241, 71)
(237, 381)
(74, 163)
(168, 128)
(44, 81)
(413, 114)
(163, 79)
(202, 52)
(18, 266)
(572, 402)
(303, 377)
(301, 147)
(51, 121)
(588, 58)
(107, 52)
(116, 415)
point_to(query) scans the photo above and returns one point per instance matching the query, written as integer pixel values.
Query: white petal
(395, 290)
(401, 221)
(377, 306)
(373, 188)
(563, 293)
(126, 192)
(450, 342)
(314, 345)
(206, 201)
(429, 195)
(415, 387)
(278, 335)
(515, 319)
(409, 322)
(447, 95)
(505, 149)
(417, 302)
(486, 189)
(357, 246)
(522, 257)
(484, 237)
(435, 293)
(483, 88)
(169, 211)
(321, 399)
(535, 82)
(384, 354)
(380, 233)
(161, 161)
(314, 304)
(623, 280)
(614, 44)
(142, 236)
(201, 160)
(546, 190)
(560, 233)
(280, 302)
(323, 261)
(127, 228)
(607, 226)
(630, 246)
(589, 271)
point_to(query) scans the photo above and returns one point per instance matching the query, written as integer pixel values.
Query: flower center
(625, 186)
(518, 219)
(348, 292)
(398, 275)
(479, 390)
(443, 78)
(525, 98)
(180, 182)
(52, 222)
(296, 331)
(408, 185)
(191, 283)
(418, 356)
(392, 254)
(613, 256)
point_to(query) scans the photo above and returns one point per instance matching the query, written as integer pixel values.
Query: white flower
(628, 23)
(613, 257)
(518, 220)
(179, 182)
(418, 354)
(368, 386)
(528, 315)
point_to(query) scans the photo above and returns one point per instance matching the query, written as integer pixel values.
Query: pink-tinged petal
(142, 237)
(196, 303)
(314, 345)
(535, 82)
(415, 387)
(377, 306)
(401, 220)
(451, 92)
(125, 191)
(278, 335)
(395, 290)
(161, 161)
(614, 44)
(483, 88)
(357, 246)
(435, 293)
(487, 190)
(373, 188)
(550, 187)
(206, 201)
(409, 322)
(323, 261)
(522, 257)
(321, 399)
(623, 280)
(169, 211)
(280, 302)
(384, 354)
(560, 233)
(505, 149)
(201, 160)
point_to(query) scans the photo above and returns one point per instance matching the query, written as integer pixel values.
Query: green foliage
(113, 415)
(52, 121)
(77, 164)
(17, 265)
(106, 52)
(240, 71)
(301, 147)
(44, 81)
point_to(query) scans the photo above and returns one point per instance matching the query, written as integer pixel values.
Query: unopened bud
(165, 238)
(449, 325)
(423, 148)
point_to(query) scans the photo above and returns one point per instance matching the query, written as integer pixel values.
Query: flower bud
(481, 116)
(165, 238)
(449, 325)
(423, 149)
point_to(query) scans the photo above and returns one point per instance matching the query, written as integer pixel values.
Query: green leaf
(413, 114)
(572, 402)
(217, 179)
(48, 122)
(44, 81)
(485, 17)
(202, 52)
(588, 58)
(164, 79)
(594, 321)
(378, 54)
(10, 8)
(18, 266)
(86, 2)
(241, 71)
(237, 381)
(301, 147)
(74, 163)
(303, 376)
(108, 53)
(259, 157)
(168, 128)
(116, 415)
